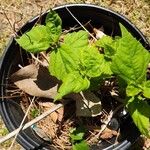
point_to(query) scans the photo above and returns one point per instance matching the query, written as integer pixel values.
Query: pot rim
(122, 19)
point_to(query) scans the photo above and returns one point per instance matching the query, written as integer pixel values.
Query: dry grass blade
(80, 23)
(37, 119)
(12, 26)
(110, 115)
(21, 125)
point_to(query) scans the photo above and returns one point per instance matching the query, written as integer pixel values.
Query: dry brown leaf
(48, 126)
(55, 116)
(60, 114)
(99, 34)
(107, 134)
(49, 105)
(147, 143)
(46, 104)
(29, 71)
(36, 81)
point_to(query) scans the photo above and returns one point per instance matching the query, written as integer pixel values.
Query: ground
(14, 13)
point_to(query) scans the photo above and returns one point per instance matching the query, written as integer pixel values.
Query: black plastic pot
(11, 111)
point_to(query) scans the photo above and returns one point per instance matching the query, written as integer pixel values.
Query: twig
(19, 65)
(10, 11)
(27, 125)
(37, 59)
(80, 23)
(111, 1)
(9, 22)
(116, 97)
(76, 27)
(11, 96)
(22, 122)
(84, 99)
(44, 56)
(16, 22)
(108, 119)
(106, 122)
(117, 136)
(39, 18)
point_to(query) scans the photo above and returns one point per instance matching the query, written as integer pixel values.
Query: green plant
(82, 63)
(3, 132)
(77, 139)
(34, 112)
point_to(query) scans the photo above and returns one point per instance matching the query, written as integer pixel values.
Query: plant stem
(36, 59)
(27, 125)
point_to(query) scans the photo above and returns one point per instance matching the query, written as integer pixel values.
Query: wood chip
(55, 116)
(147, 143)
(107, 134)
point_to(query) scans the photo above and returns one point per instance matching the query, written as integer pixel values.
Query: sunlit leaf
(140, 112)
(81, 146)
(54, 24)
(36, 40)
(146, 89)
(131, 59)
(72, 83)
(133, 90)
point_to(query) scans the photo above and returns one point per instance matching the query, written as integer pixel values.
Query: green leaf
(131, 59)
(124, 31)
(72, 83)
(140, 112)
(36, 40)
(66, 59)
(146, 89)
(91, 61)
(35, 112)
(40, 37)
(109, 44)
(81, 146)
(133, 90)
(106, 67)
(76, 40)
(54, 24)
(122, 85)
(63, 61)
(77, 134)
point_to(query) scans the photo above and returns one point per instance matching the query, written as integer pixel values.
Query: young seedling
(79, 64)
(34, 112)
(77, 139)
